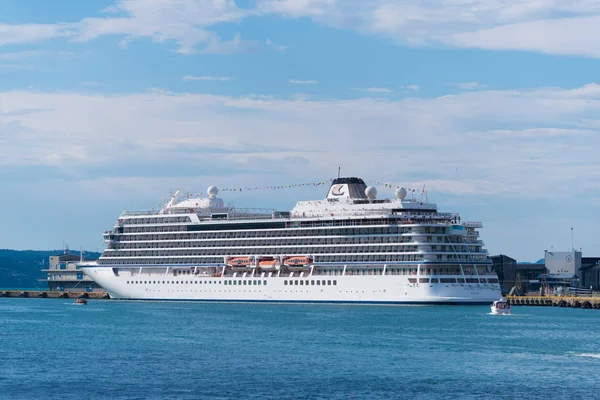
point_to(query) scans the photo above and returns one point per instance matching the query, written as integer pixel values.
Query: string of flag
(392, 186)
(319, 183)
(279, 187)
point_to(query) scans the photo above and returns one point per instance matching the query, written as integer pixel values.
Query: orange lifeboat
(298, 261)
(269, 263)
(240, 262)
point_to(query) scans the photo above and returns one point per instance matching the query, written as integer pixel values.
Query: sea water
(52, 348)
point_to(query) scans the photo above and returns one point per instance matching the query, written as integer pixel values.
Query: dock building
(510, 273)
(64, 276)
(559, 270)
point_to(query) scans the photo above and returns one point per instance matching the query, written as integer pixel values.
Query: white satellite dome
(212, 191)
(401, 193)
(371, 192)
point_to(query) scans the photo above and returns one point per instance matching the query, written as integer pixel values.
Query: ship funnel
(347, 188)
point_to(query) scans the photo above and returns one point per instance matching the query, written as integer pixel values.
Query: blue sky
(494, 105)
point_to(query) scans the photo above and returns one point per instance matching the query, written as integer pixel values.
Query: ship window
(245, 283)
(285, 283)
(319, 283)
(334, 283)
(226, 282)
(234, 282)
(265, 282)
(301, 282)
(322, 282)
(312, 283)
(329, 282)
(259, 282)
(295, 282)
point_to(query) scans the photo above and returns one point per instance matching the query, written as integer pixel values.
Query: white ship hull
(384, 289)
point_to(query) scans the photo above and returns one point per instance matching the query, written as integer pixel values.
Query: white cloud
(414, 88)
(207, 78)
(567, 36)
(301, 82)
(27, 33)
(549, 26)
(376, 90)
(297, 8)
(471, 85)
(235, 45)
(78, 132)
(184, 22)
(275, 46)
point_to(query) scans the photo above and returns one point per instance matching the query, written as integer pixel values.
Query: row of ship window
(262, 250)
(274, 235)
(452, 280)
(351, 230)
(377, 241)
(311, 282)
(342, 259)
(319, 240)
(200, 282)
(155, 220)
(352, 248)
(296, 224)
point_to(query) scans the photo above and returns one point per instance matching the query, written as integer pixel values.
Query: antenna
(572, 243)
(339, 168)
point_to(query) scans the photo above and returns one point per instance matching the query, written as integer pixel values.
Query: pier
(555, 301)
(49, 294)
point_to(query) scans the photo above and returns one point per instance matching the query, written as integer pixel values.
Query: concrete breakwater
(52, 294)
(555, 301)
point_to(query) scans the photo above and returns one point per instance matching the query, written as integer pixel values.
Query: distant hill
(21, 269)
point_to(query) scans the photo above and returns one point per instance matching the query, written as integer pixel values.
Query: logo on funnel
(337, 190)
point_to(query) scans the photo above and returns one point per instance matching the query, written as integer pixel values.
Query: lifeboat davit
(298, 261)
(269, 263)
(240, 262)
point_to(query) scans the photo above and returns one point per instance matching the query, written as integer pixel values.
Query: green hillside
(21, 269)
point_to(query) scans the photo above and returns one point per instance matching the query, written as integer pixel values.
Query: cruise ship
(351, 247)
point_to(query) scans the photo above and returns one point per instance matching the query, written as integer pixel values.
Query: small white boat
(501, 307)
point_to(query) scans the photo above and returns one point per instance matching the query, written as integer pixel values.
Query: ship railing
(472, 224)
(138, 212)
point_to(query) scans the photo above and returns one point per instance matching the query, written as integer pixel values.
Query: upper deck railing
(259, 215)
